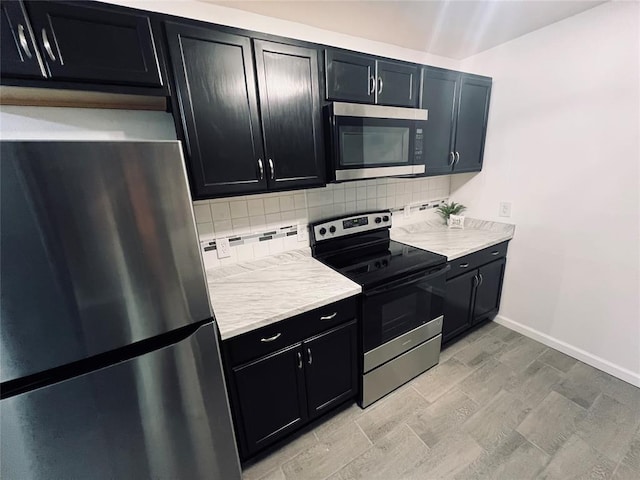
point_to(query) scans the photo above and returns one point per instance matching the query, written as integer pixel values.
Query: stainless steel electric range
(402, 303)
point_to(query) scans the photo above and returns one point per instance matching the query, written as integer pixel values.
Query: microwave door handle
(406, 283)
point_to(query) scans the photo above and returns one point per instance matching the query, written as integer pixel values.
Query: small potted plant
(450, 212)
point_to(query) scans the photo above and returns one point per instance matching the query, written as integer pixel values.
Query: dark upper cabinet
(458, 305)
(489, 287)
(19, 56)
(359, 78)
(397, 84)
(350, 77)
(214, 75)
(458, 105)
(473, 111)
(271, 397)
(95, 44)
(440, 89)
(292, 123)
(331, 366)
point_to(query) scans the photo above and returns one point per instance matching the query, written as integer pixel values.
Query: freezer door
(163, 415)
(98, 250)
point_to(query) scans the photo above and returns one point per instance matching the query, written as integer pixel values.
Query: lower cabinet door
(330, 370)
(458, 304)
(271, 397)
(489, 288)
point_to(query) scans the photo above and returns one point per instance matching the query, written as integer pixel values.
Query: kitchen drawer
(474, 260)
(262, 341)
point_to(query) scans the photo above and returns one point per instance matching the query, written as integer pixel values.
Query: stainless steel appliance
(403, 298)
(110, 366)
(369, 141)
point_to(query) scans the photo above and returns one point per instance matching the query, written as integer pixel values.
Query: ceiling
(451, 28)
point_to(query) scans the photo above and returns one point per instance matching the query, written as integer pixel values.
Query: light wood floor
(498, 406)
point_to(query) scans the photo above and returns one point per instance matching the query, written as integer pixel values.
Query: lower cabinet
(473, 296)
(280, 392)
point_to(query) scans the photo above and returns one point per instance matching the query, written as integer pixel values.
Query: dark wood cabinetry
(458, 105)
(283, 376)
(292, 122)
(229, 150)
(271, 396)
(474, 286)
(360, 78)
(215, 82)
(19, 56)
(73, 42)
(330, 370)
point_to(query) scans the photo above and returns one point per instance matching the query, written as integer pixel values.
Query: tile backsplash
(261, 225)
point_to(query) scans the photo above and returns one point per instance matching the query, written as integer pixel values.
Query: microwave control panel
(418, 144)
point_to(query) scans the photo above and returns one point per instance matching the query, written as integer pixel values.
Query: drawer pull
(464, 265)
(495, 252)
(271, 339)
(329, 317)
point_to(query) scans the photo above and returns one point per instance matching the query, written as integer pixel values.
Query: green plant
(452, 208)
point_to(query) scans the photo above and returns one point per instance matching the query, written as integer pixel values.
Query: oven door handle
(405, 282)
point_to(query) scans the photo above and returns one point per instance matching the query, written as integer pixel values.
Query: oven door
(396, 308)
(366, 146)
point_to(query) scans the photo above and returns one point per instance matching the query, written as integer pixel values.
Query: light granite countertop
(435, 236)
(250, 295)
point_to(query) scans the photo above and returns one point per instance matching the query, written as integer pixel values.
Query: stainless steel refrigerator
(110, 366)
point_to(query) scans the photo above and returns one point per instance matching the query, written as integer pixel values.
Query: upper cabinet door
(350, 77)
(440, 90)
(473, 112)
(215, 82)
(291, 116)
(19, 56)
(397, 84)
(95, 44)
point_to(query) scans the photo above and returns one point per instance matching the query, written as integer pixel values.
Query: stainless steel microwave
(372, 141)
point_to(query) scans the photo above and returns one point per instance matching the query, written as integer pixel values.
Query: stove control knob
(378, 220)
(377, 264)
(323, 231)
(385, 263)
(332, 229)
(385, 218)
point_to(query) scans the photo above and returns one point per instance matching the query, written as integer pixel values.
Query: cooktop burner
(359, 247)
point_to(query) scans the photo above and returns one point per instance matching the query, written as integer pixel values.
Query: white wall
(563, 146)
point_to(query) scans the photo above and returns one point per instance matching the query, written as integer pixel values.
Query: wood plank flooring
(498, 406)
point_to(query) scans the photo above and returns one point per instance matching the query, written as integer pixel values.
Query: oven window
(370, 145)
(398, 316)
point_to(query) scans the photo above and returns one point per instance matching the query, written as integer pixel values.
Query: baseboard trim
(582, 355)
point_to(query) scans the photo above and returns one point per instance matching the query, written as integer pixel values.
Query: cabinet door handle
(464, 265)
(271, 339)
(261, 168)
(372, 84)
(272, 169)
(495, 252)
(380, 85)
(329, 317)
(476, 281)
(47, 45)
(23, 40)
(299, 360)
(453, 159)
(457, 157)
(309, 355)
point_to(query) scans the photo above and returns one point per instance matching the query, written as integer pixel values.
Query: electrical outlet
(505, 209)
(407, 211)
(223, 248)
(302, 232)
